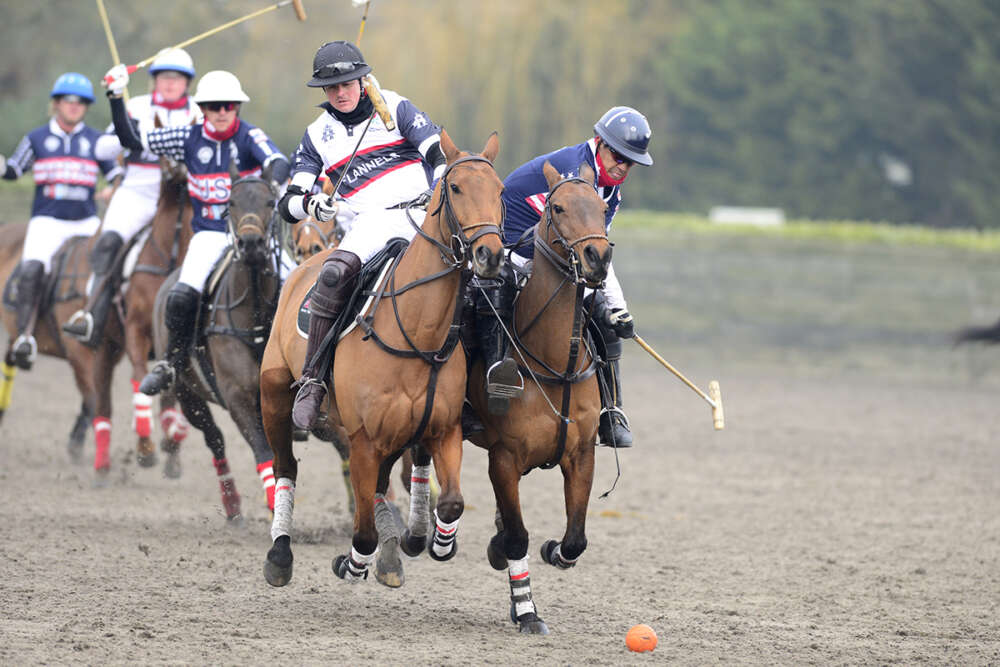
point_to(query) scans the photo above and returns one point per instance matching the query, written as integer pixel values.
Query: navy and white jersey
(526, 191)
(65, 169)
(207, 162)
(389, 167)
(143, 168)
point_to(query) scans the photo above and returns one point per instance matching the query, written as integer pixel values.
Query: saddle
(370, 277)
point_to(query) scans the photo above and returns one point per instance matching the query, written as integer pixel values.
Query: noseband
(455, 254)
(571, 267)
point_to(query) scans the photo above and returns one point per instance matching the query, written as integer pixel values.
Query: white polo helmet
(173, 60)
(219, 86)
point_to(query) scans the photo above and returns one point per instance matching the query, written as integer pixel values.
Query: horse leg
(509, 547)
(7, 372)
(578, 477)
(197, 412)
(419, 522)
(175, 429)
(247, 415)
(388, 567)
(138, 345)
(79, 433)
(448, 463)
(104, 360)
(364, 477)
(276, 416)
(81, 360)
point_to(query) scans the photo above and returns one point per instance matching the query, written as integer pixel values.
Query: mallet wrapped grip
(378, 102)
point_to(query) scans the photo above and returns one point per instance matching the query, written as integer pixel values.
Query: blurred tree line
(864, 109)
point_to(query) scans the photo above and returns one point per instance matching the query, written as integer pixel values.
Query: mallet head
(718, 418)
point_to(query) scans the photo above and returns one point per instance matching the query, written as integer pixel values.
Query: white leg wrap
(284, 503)
(385, 524)
(520, 586)
(357, 565)
(444, 535)
(174, 424)
(142, 408)
(420, 498)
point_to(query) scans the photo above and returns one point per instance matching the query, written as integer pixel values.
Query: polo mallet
(300, 12)
(364, 17)
(713, 397)
(111, 40)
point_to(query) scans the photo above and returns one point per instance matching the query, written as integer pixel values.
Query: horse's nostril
(483, 254)
(590, 252)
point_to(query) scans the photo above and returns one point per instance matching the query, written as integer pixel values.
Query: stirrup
(80, 325)
(157, 379)
(503, 382)
(25, 351)
(613, 428)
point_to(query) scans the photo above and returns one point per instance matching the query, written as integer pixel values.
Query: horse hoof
(494, 553)
(145, 453)
(75, 451)
(278, 566)
(102, 478)
(548, 549)
(529, 623)
(388, 566)
(413, 545)
(448, 556)
(172, 466)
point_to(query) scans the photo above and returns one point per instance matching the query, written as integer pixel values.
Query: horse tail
(990, 334)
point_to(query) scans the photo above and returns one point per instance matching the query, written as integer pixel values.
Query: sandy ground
(846, 516)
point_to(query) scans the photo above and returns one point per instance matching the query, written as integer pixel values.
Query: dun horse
(65, 295)
(555, 422)
(225, 360)
(396, 379)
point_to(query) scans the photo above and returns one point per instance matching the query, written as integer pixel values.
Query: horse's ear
(448, 146)
(587, 172)
(234, 171)
(492, 147)
(551, 175)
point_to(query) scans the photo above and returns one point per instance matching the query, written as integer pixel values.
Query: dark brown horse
(225, 362)
(65, 296)
(397, 379)
(555, 421)
(158, 255)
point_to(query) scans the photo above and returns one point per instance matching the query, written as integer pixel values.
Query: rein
(454, 257)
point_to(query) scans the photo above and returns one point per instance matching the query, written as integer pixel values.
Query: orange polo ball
(641, 638)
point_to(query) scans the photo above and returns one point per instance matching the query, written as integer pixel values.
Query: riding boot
(29, 293)
(613, 430)
(182, 312)
(87, 325)
(503, 379)
(336, 282)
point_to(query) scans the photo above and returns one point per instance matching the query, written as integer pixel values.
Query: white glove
(116, 80)
(321, 207)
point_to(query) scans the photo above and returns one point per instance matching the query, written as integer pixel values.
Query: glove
(622, 323)
(320, 207)
(116, 80)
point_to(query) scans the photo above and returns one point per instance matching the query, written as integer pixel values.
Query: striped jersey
(65, 169)
(207, 161)
(389, 167)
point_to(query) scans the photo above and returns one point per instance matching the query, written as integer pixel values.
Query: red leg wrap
(142, 411)
(102, 437)
(266, 472)
(227, 485)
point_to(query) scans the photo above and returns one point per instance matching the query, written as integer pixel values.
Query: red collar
(176, 104)
(212, 133)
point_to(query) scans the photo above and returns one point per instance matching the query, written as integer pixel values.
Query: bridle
(569, 267)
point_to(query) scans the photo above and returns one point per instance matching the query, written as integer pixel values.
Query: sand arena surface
(850, 512)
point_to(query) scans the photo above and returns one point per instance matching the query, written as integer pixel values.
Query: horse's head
(572, 227)
(467, 200)
(251, 207)
(172, 172)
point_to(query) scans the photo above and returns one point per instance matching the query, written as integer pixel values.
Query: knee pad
(336, 280)
(102, 255)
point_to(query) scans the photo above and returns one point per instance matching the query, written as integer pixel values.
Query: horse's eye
(454, 188)
(558, 209)
(271, 203)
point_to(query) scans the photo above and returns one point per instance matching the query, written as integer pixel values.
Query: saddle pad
(218, 271)
(135, 248)
(371, 277)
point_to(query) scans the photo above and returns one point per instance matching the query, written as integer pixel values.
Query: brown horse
(235, 320)
(396, 380)
(64, 296)
(161, 252)
(555, 421)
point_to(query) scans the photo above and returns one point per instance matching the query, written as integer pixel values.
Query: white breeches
(372, 229)
(131, 209)
(47, 234)
(203, 252)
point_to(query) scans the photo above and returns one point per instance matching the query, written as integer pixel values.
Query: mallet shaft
(673, 370)
(111, 40)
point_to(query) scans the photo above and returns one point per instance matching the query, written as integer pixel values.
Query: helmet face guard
(627, 132)
(337, 62)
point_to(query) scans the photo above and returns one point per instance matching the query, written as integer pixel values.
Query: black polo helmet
(337, 62)
(627, 132)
